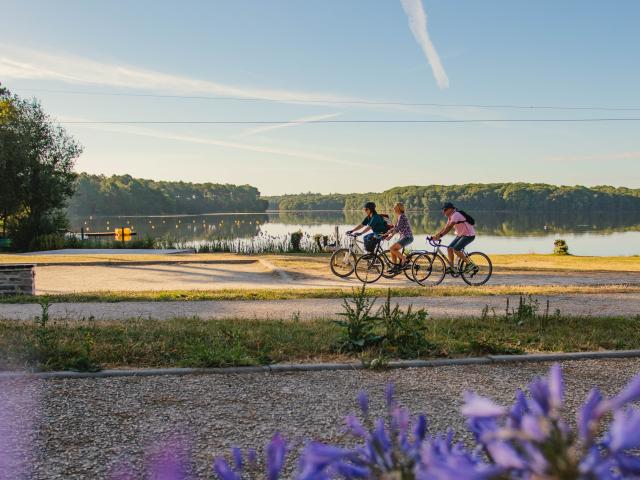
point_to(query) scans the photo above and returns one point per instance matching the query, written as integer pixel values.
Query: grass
(189, 342)
(293, 294)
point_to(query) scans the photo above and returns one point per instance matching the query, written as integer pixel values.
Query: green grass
(188, 342)
(292, 294)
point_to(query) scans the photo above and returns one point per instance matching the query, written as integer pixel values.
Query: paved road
(627, 304)
(261, 274)
(81, 428)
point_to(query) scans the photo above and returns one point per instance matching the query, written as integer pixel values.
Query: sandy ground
(627, 304)
(82, 428)
(263, 274)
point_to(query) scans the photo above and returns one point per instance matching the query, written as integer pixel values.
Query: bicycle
(430, 267)
(371, 266)
(343, 260)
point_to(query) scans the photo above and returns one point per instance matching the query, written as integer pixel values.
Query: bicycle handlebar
(434, 243)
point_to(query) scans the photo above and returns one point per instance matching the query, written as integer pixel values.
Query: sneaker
(394, 269)
(470, 267)
(449, 271)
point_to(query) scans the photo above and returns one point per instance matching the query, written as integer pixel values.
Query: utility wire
(338, 102)
(277, 122)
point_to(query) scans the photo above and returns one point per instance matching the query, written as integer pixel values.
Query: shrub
(296, 240)
(49, 241)
(560, 247)
(358, 329)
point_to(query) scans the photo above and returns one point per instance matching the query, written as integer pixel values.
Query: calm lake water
(587, 233)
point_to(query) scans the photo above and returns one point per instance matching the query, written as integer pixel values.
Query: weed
(359, 326)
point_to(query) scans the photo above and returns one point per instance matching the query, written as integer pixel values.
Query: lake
(587, 233)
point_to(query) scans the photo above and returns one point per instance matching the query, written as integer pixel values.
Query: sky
(335, 62)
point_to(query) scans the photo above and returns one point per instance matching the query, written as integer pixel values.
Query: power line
(338, 102)
(279, 122)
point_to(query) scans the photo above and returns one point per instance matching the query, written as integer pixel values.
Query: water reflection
(588, 233)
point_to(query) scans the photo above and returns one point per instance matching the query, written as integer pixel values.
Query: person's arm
(443, 232)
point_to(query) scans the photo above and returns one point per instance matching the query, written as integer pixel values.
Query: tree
(36, 164)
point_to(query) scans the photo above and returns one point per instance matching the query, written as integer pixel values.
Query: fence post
(337, 234)
(122, 233)
(82, 234)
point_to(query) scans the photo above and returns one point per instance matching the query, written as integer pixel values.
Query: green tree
(37, 165)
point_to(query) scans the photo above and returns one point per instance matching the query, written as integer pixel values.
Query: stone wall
(19, 279)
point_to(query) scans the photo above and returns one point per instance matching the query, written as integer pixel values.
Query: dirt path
(258, 274)
(442, 307)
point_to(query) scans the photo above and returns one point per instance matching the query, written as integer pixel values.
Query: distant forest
(125, 195)
(490, 196)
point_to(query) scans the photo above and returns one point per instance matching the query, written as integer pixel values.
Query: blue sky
(570, 53)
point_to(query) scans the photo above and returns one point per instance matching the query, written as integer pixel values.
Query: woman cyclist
(402, 228)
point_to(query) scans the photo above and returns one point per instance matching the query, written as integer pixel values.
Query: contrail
(26, 63)
(293, 123)
(418, 25)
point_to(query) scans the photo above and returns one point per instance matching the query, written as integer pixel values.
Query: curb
(230, 261)
(317, 367)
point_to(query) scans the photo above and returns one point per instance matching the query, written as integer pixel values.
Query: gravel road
(626, 304)
(83, 427)
(262, 274)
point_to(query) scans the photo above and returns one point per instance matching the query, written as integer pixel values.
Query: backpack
(370, 242)
(467, 218)
(387, 220)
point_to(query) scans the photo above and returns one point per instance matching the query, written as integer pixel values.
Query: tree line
(126, 195)
(490, 196)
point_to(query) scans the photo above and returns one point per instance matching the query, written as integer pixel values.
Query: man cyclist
(372, 222)
(465, 234)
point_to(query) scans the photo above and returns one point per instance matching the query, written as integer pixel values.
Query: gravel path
(82, 427)
(623, 304)
(261, 274)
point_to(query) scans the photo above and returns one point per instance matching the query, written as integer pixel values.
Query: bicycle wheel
(408, 271)
(428, 270)
(342, 262)
(481, 273)
(369, 268)
(388, 265)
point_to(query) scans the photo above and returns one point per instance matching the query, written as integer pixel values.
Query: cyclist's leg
(402, 244)
(460, 246)
(395, 252)
(453, 247)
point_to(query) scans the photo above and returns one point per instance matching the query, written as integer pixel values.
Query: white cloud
(418, 25)
(292, 123)
(265, 149)
(25, 63)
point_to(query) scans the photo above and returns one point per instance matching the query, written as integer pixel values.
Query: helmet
(447, 205)
(370, 205)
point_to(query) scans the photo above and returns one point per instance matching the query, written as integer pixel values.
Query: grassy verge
(292, 294)
(196, 343)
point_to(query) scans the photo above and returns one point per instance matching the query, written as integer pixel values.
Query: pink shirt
(462, 229)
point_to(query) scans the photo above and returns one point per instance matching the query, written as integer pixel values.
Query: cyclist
(372, 222)
(403, 228)
(465, 234)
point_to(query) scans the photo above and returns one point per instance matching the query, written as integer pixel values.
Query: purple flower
(223, 471)
(624, 432)
(276, 452)
(631, 393)
(169, 465)
(588, 415)
(389, 392)
(355, 427)
(556, 387)
(363, 401)
(481, 407)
